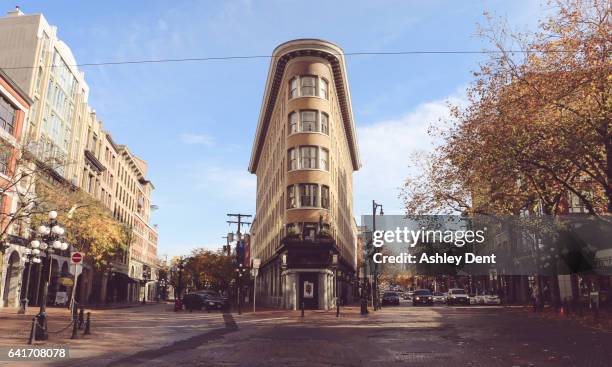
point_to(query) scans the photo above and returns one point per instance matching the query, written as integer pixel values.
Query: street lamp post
(255, 271)
(50, 235)
(110, 292)
(179, 288)
(146, 275)
(334, 261)
(375, 206)
(29, 258)
(240, 271)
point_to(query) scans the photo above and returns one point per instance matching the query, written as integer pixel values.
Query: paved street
(421, 336)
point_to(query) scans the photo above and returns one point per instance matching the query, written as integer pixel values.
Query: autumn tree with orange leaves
(537, 128)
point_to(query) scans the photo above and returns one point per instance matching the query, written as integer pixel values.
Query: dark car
(390, 298)
(205, 299)
(422, 297)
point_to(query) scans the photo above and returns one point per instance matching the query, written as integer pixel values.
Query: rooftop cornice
(280, 57)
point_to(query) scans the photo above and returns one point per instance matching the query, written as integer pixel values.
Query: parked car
(407, 295)
(390, 298)
(457, 296)
(439, 297)
(205, 299)
(422, 297)
(488, 299)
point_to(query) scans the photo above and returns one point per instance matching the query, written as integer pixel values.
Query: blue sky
(194, 122)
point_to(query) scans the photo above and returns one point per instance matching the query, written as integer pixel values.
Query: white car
(488, 299)
(439, 297)
(457, 295)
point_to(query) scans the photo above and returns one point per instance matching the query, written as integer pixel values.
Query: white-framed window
(291, 202)
(293, 122)
(7, 115)
(308, 121)
(308, 86)
(309, 195)
(324, 123)
(292, 159)
(293, 88)
(323, 86)
(324, 159)
(325, 197)
(5, 158)
(308, 157)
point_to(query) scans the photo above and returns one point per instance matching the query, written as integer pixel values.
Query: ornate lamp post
(30, 257)
(178, 305)
(240, 272)
(334, 263)
(50, 235)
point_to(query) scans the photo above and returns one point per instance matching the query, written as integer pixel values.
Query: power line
(247, 57)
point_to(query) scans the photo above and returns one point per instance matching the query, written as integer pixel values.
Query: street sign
(76, 269)
(67, 282)
(76, 257)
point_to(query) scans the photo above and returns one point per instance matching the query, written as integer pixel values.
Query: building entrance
(309, 291)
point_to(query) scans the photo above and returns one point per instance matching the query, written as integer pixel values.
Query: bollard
(81, 317)
(40, 330)
(74, 327)
(302, 306)
(88, 324)
(32, 337)
(337, 308)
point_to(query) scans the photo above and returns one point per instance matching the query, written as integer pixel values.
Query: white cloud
(234, 184)
(203, 139)
(386, 148)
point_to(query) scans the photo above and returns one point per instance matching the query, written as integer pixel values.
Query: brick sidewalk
(15, 328)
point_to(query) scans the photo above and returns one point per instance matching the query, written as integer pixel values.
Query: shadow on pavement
(179, 346)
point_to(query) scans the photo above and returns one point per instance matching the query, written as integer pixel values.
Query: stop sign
(76, 258)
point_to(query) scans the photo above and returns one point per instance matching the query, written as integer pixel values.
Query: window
(309, 121)
(293, 123)
(324, 123)
(292, 160)
(309, 230)
(308, 195)
(323, 88)
(325, 197)
(308, 157)
(309, 84)
(7, 115)
(293, 88)
(291, 203)
(5, 156)
(324, 159)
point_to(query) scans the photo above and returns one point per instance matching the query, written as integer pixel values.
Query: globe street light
(240, 271)
(50, 242)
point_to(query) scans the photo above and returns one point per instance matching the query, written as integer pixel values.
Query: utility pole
(239, 266)
(239, 221)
